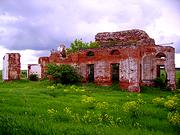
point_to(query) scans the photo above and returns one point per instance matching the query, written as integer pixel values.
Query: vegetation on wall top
(78, 44)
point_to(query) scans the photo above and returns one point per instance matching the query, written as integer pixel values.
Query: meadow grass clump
(159, 101)
(131, 108)
(51, 88)
(102, 105)
(174, 118)
(172, 103)
(89, 101)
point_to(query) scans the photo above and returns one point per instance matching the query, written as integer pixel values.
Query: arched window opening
(90, 54)
(161, 55)
(114, 52)
(110, 39)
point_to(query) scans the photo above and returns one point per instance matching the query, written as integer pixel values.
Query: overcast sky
(34, 27)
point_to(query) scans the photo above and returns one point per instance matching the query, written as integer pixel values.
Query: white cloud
(42, 25)
(27, 56)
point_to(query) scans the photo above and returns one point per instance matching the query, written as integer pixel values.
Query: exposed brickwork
(11, 67)
(128, 37)
(43, 61)
(135, 53)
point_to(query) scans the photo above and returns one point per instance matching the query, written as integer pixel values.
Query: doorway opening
(161, 73)
(115, 72)
(91, 73)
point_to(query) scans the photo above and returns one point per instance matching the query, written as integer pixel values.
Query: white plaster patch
(5, 67)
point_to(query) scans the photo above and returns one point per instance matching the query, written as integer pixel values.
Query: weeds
(172, 104)
(159, 101)
(39, 108)
(174, 118)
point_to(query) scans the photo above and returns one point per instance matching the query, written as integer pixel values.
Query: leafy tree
(93, 45)
(79, 44)
(65, 74)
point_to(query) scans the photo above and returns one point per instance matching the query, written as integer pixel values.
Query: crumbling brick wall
(134, 52)
(43, 61)
(11, 66)
(128, 37)
(151, 61)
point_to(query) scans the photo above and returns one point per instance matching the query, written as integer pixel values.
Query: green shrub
(23, 74)
(33, 77)
(65, 74)
(159, 82)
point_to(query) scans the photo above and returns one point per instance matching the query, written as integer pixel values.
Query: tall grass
(39, 108)
(28, 107)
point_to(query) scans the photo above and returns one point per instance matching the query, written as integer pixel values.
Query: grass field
(38, 108)
(24, 74)
(28, 107)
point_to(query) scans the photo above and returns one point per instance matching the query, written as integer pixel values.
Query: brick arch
(115, 52)
(160, 55)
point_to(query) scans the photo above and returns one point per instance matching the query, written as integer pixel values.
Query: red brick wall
(127, 48)
(14, 66)
(43, 61)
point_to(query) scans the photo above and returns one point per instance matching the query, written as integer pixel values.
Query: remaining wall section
(128, 37)
(43, 61)
(11, 66)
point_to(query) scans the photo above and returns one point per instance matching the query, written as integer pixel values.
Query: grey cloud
(176, 45)
(42, 25)
(41, 28)
(175, 39)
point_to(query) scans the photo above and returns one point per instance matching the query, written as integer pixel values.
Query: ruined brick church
(130, 58)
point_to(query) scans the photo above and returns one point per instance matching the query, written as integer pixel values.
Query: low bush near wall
(65, 74)
(159, 82)
(33, 77)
